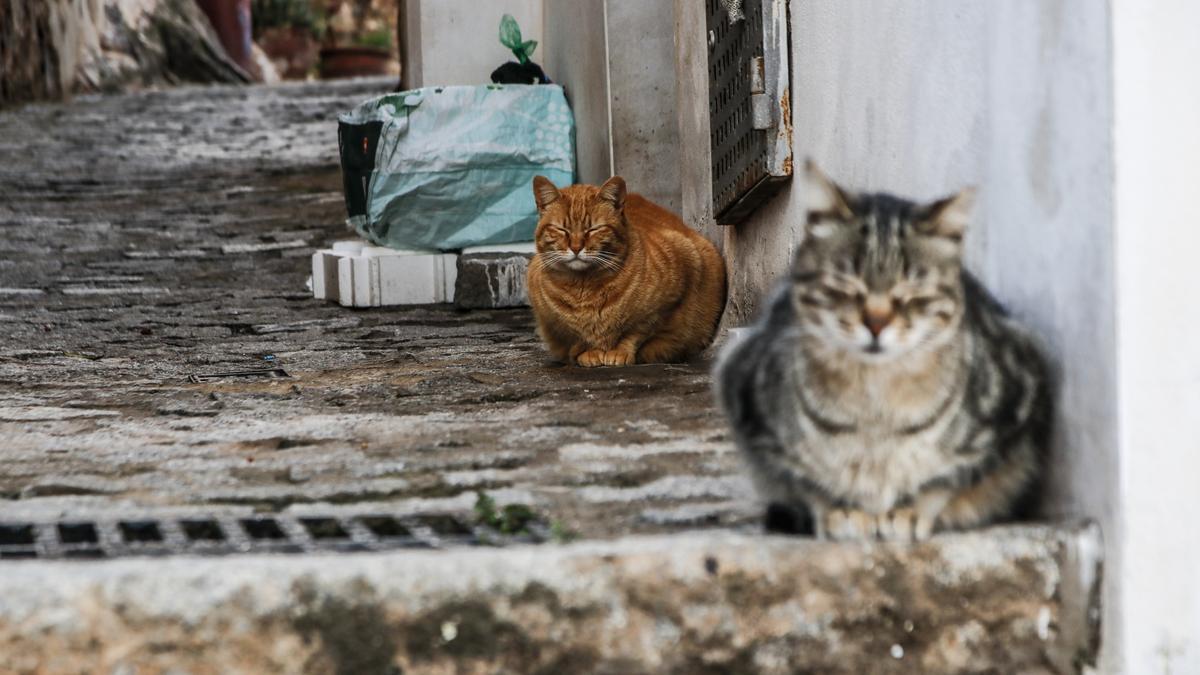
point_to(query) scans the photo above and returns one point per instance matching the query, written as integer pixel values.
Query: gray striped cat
(884, 393)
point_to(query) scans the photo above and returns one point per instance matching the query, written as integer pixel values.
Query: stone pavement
(157, 236)
(151, 243)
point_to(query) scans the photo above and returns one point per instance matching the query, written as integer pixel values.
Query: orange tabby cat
(620, 280)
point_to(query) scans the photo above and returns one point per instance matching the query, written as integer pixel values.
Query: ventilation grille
(739, 151)
(225, 535)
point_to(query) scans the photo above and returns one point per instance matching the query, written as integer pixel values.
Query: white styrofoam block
(405, 280)
(515, 247)
(353, 247)
(325, 275)
(415, 279)
(385, 251)
(375, 276)
(345, 268)
(366, 281)
(449, 277)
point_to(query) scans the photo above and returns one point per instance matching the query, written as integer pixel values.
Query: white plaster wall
(645, 135)
(925, 96)
(615, 60)
(578, 60)
(460, 42)
(1157, 138)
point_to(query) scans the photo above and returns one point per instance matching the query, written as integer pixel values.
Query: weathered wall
(578, 60)
(615, 59)
(1158, 152)
(922, 98)
(459, 43)
(645, 134)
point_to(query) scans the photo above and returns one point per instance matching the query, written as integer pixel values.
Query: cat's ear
(613, 192)
(544, 192)
(948, 217)
(824, 199)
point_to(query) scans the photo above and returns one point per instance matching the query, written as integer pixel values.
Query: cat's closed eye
(919, 303)
(842, 294)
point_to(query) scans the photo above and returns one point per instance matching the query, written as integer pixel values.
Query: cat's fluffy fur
(884, 393)
(619, 280)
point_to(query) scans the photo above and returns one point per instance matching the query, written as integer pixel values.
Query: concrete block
(493, 276)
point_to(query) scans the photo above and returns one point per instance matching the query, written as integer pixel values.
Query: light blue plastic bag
(449, 167)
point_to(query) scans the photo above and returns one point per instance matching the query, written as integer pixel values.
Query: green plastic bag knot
(510, 36)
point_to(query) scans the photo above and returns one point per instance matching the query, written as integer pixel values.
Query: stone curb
(1013, 599)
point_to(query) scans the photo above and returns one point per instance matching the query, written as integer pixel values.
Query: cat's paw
(850, 525)
(897, 524)
(604, 357)
(590, 358)
(904, 524)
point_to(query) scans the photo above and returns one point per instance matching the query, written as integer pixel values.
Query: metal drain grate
(226, 535)
(748, 103)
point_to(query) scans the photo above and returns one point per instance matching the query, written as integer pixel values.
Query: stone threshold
(1009, 599)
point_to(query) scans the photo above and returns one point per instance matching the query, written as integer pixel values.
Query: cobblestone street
(157, 236)
(154, 245)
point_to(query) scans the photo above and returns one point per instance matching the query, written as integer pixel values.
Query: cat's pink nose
(877, 314)
(876, 323)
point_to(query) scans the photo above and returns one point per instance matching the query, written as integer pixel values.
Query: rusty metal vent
(748, 103)
(225, 535)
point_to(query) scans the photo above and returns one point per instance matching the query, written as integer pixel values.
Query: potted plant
(290, 33)
(360, 38)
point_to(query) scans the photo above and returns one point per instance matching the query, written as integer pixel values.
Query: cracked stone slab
(1015, 599)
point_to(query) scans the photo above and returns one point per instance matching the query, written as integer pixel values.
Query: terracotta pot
(337, 62)
(294, 51)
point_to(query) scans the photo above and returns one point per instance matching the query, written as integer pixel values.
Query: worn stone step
(1012, 599)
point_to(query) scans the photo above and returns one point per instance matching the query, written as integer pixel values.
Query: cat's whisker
(608, 264)
(548, 258)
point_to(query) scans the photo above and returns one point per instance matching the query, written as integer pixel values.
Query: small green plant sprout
(510, 36)
(512, 519)
(380, 39)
